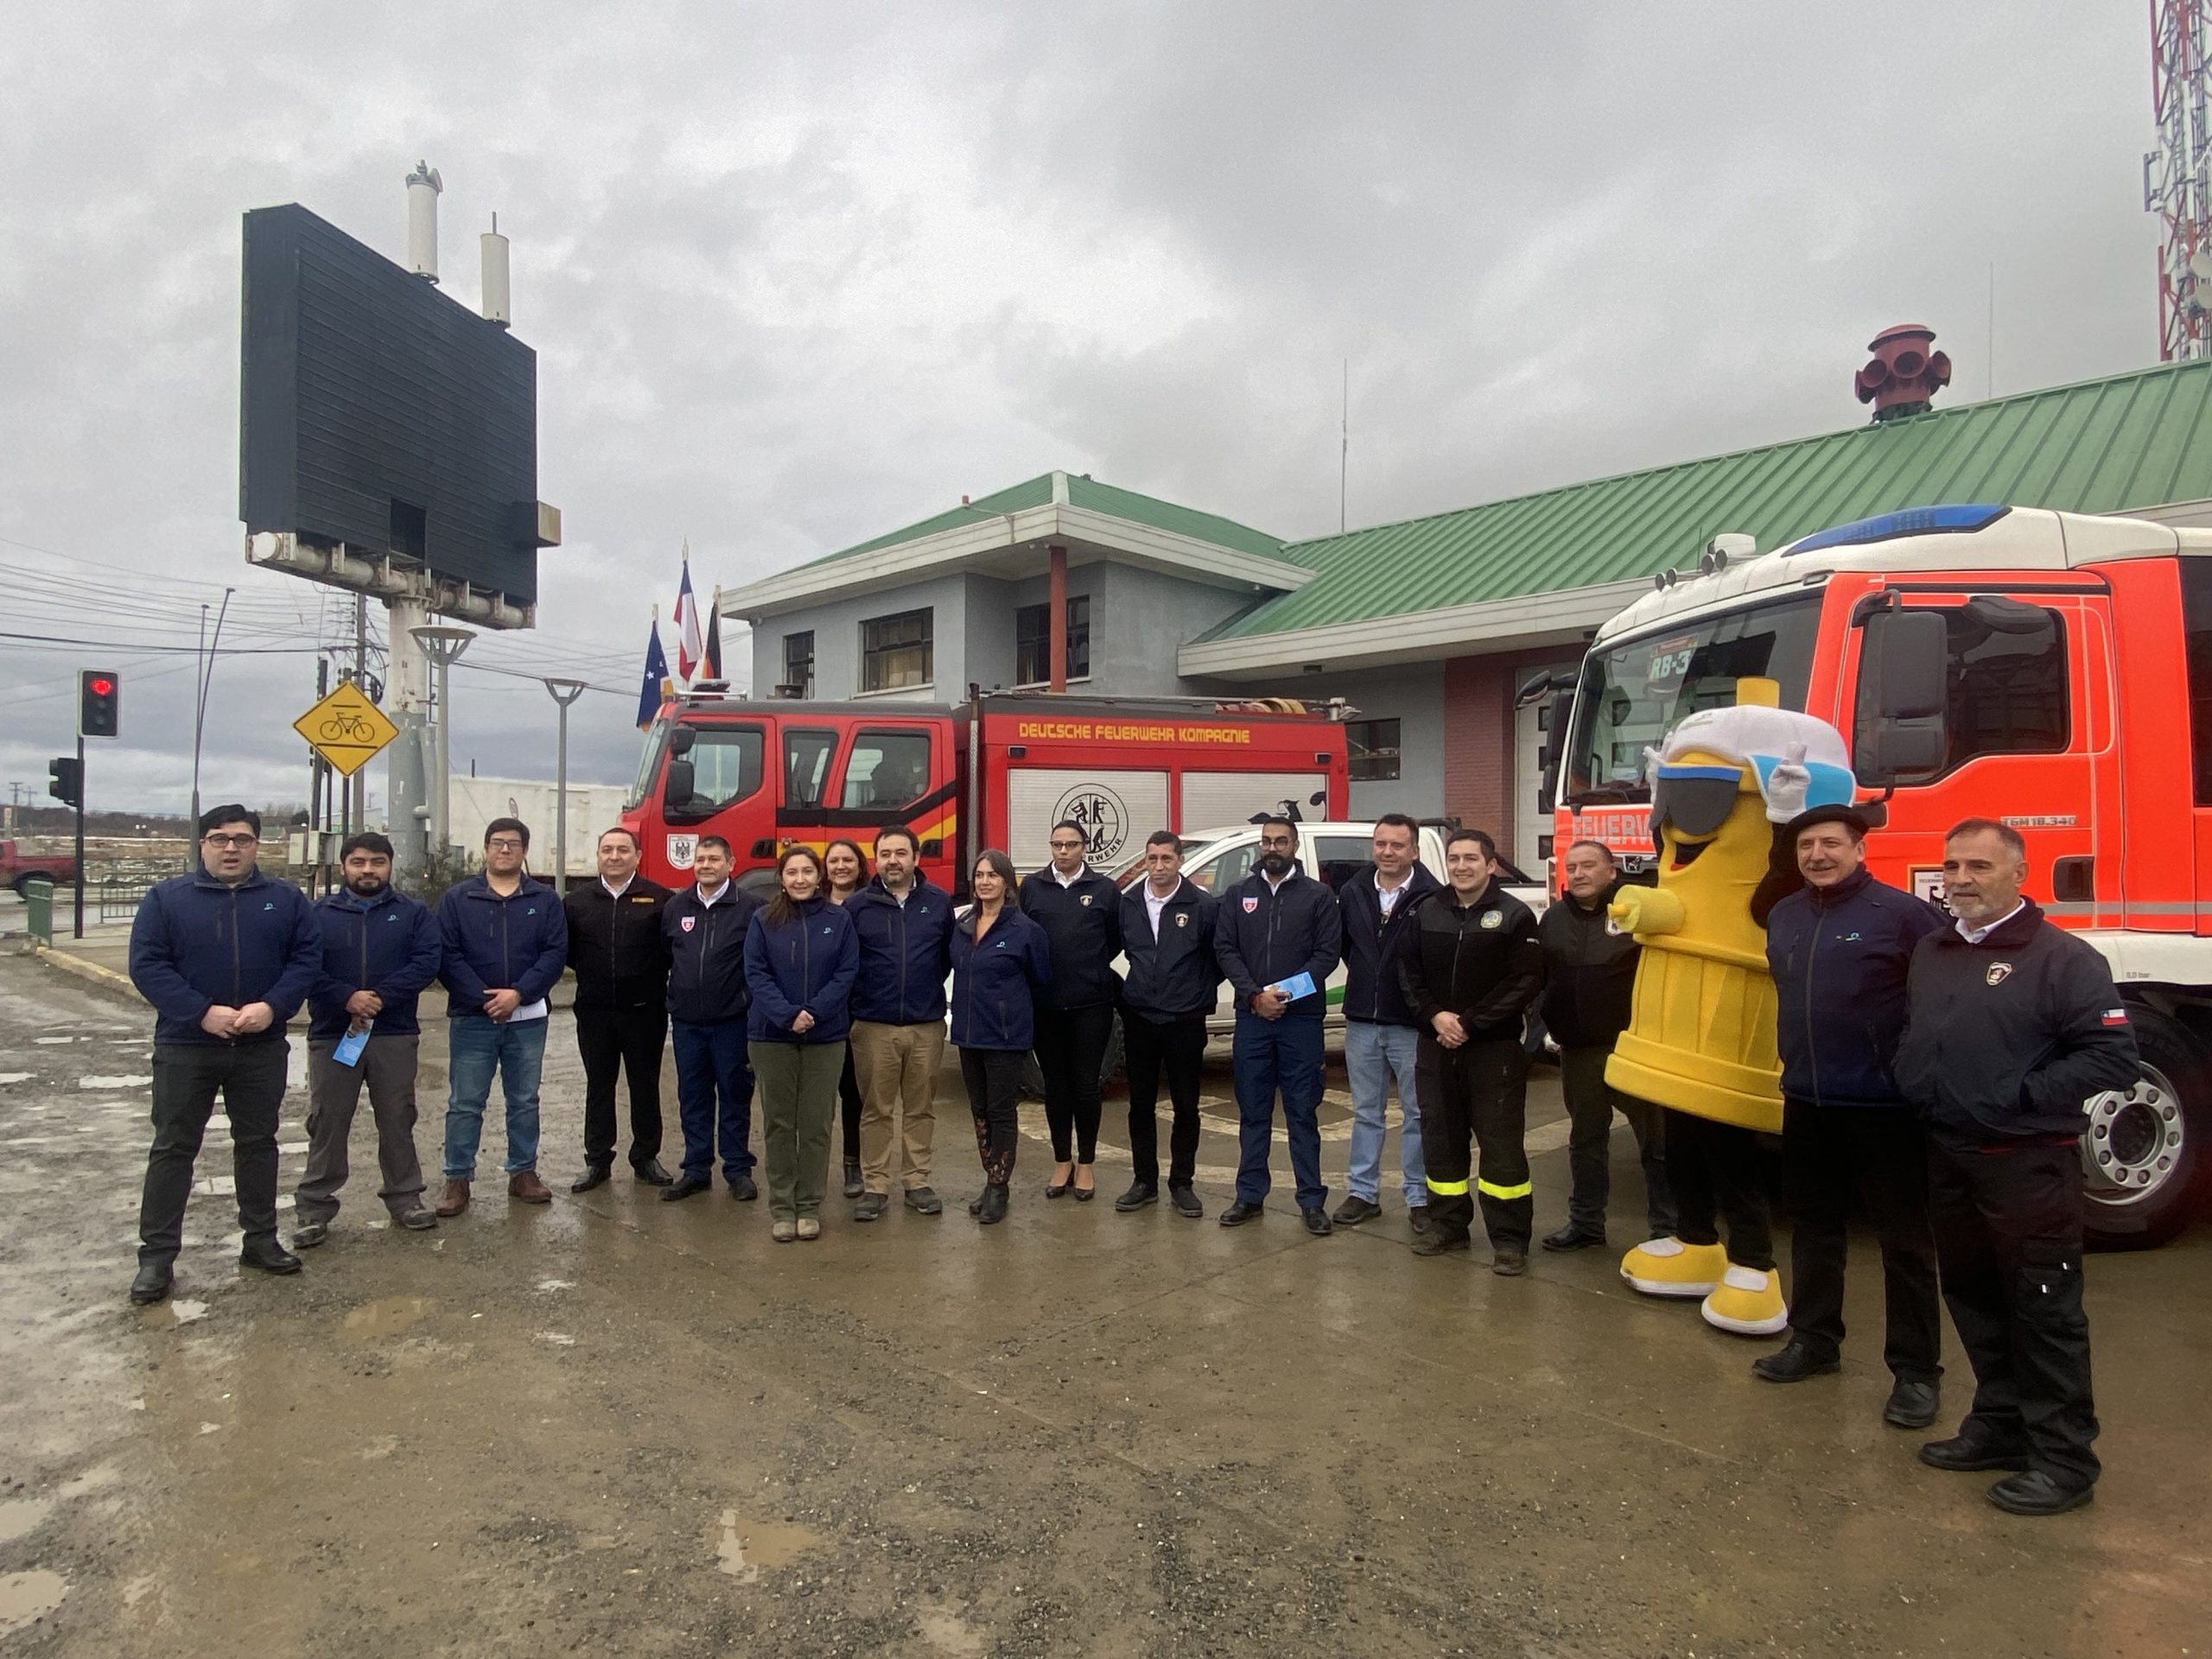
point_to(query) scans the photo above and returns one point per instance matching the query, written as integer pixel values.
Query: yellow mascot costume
(1700, 1041)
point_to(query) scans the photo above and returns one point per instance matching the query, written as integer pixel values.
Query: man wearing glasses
(506, 939)
(226, 957)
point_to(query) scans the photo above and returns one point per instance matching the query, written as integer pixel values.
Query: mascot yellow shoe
(1700, 1039)
(1667, 1267)
(1748, 1302)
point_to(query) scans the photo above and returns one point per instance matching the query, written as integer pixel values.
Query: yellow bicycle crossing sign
(345, 728)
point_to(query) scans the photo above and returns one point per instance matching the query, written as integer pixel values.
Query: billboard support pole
(406, 788)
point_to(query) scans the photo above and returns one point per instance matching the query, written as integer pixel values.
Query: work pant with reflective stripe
(1477, 1092)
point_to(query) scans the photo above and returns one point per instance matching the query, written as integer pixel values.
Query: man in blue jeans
(506, 940)
(1382, 1036)
(1273, 927)
(704, 925)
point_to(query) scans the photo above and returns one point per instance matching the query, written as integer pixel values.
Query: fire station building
(1431, 628)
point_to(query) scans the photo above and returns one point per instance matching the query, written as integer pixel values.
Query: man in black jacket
(1589, 985)
(1277, 937)
(2014, 1025)
(1081, 913)
(1382, 1035)
(705, 929)
(1839, 949)
(622, 966)
(1469, 967)
(1167, 936)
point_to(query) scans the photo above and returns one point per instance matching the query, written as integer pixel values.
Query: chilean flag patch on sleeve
(2116, 1016)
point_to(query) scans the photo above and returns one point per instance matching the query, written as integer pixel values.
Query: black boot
(991, 1207)
(152, 1282)
(264, 1252)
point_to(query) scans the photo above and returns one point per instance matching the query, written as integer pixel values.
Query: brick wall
(1479, 693)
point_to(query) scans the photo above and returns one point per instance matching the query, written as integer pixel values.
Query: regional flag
(689, 646)
(710, 665)
(654, 691)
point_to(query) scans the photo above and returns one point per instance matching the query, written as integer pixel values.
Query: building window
(1033, 642)
(895, 651)
(1374, 745)
(798, 665)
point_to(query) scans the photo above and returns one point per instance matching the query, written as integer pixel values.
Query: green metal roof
(2137, 440)
(1086, 493)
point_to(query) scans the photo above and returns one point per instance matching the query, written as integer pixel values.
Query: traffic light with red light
(99, 702)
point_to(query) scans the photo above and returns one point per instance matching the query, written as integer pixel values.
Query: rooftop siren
(496, 307)
(423, 188)
(1906, 372)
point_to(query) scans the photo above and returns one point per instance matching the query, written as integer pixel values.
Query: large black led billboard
(377, 412)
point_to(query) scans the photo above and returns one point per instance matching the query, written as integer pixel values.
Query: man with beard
(380, 951)
(1277, 938)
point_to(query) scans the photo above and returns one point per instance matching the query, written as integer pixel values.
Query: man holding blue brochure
(380, 952)
(1277, 938)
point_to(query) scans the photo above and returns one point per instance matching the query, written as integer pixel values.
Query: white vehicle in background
(1216, 860)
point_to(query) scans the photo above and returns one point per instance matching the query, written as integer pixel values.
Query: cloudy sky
(797, 274)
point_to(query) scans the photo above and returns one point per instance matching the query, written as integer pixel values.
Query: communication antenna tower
(2178, 174)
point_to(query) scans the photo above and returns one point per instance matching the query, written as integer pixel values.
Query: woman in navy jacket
(801, 955)
(1001, 963)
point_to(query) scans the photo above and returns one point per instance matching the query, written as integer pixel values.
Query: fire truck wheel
(2142, 1148)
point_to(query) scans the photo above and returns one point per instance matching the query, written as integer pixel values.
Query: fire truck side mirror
(1555, 723)
(681, 740)
(677, 791)
(1902, 663)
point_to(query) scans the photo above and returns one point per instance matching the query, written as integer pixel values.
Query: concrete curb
(106, 978)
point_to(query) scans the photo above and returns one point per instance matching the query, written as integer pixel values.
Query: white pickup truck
(1216, 860)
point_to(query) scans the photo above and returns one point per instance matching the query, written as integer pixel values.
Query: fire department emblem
(1251, 905)
(1493, 919)
(687, 922)
(1099, 812)
(1999, 972)
(682, 850)
(1083, 899)
(1182, 919)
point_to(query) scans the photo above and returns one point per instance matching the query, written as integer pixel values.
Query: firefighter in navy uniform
(1470, 968)
(2013, 1024)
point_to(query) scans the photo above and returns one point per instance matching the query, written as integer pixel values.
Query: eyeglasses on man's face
(229, 840)
(505, 844)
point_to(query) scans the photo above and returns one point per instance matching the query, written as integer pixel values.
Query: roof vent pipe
(423, 187)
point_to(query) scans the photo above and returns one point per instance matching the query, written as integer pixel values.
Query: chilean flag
(691, 647)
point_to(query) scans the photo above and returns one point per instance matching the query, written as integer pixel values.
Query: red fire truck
(2049, 670)
(998, 771)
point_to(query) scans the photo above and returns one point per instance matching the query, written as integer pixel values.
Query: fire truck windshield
(1631, 692)
(648, 765)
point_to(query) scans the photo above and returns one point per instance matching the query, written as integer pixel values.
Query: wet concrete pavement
(618, 1424)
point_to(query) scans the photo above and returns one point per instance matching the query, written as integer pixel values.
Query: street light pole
(443, 647)
(563, 692)
(200, 699)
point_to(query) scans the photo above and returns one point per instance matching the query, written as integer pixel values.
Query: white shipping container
(592, 808)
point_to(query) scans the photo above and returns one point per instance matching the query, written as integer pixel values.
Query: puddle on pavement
(26, 1597)
(20, 1517)
(746, 1548)
(387, 1316)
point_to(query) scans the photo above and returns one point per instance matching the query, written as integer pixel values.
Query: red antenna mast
(2177, 175)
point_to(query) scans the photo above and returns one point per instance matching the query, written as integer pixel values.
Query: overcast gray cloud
(797, 274)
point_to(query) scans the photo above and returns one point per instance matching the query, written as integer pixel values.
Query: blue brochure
(1296, 986)
(348, 1051)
